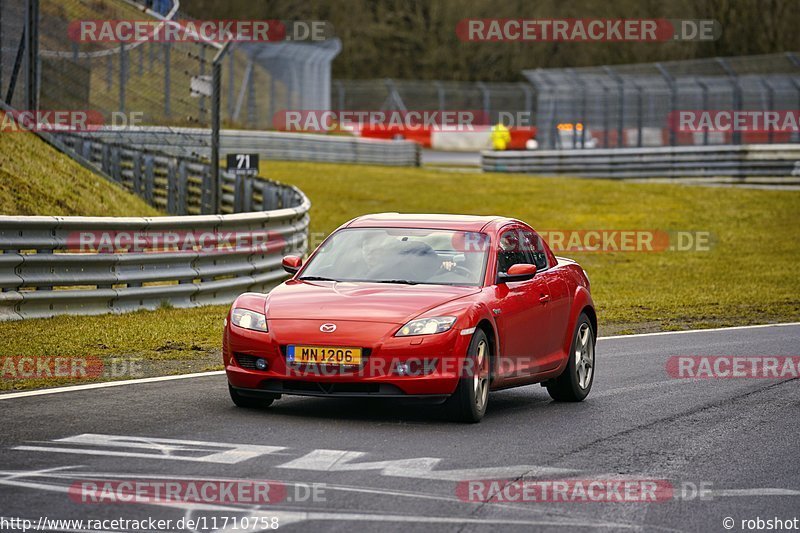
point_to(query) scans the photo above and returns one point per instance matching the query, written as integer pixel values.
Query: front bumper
(392, 367)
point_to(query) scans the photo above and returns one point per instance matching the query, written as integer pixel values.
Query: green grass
(37, 179)
(750, 275)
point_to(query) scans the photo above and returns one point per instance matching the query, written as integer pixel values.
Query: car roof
(428, 221)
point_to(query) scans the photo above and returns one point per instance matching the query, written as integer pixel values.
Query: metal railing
(45, 269)
(40, 277)
(764, 160)
(196, 142)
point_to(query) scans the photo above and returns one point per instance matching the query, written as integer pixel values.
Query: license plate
(324, 355)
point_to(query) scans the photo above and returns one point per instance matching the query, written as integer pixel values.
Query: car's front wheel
(575, 382)
(468, 402)
(248, 401)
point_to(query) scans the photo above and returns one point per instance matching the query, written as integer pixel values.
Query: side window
(512, 250)
(533, 245)
(520, 246)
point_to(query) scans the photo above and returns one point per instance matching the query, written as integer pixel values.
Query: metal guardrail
(196, 142)
(37, 280)
(754, 160)
(42, 274)
(178, 184)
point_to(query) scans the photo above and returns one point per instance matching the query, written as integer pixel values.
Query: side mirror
(518, 272)
(292, 263)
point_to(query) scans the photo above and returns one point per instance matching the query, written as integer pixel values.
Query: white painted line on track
(106, 384)
(72, 388)
(731, 328)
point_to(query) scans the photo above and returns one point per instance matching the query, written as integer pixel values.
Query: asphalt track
(385, 466)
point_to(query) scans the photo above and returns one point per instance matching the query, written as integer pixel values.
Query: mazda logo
(327, 328)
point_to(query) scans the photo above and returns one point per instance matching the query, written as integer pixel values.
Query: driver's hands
(448, 265)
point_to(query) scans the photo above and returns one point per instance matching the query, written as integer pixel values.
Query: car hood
(366, 302)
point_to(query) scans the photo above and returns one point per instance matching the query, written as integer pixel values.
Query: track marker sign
(242, 163)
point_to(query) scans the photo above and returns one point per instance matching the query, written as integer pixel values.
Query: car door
(556, 300)
(520, 311)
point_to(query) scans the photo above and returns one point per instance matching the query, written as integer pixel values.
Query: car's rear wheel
(468, 402)
(248, 401)
(575, 382)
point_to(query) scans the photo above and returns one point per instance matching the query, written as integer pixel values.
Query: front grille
(246, 361)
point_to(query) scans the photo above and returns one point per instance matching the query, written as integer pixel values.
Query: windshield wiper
(398, 281)
(316, 278)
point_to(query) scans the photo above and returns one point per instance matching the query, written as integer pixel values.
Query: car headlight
(244, 318)
(426, 326)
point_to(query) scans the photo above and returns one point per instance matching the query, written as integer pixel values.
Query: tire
(575, 382)
(248, 402)
(468, 403)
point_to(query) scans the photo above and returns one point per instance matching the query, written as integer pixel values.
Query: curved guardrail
(753, 160)
(52, 265)
(196, 142)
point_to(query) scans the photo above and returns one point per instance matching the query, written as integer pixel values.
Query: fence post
(216, 78)
(704, 105)
(166, 79)
(673, 97)
(122, 77)
(620, 104)
(737, 94)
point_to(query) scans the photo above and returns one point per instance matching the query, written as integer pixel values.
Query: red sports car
(442, 307)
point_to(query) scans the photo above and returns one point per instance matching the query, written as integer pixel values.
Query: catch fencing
(634, 105)
(487, 98)
(781, 161)
(168, 83)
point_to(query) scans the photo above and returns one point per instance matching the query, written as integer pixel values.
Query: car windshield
(401, 255)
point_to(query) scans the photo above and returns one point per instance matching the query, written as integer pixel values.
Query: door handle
(544, 298)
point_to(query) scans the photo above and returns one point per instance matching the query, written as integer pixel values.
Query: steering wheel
(462, 271)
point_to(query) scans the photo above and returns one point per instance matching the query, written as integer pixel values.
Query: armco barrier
(177, 184)
(41, 274)
(38, 279)
(195, 142)
(753, 160)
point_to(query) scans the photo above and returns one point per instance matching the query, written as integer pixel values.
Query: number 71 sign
(242, 163)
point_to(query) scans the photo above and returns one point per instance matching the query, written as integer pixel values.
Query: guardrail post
(137, 173)
(182, 183)
(149, 178)
(172, 189)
